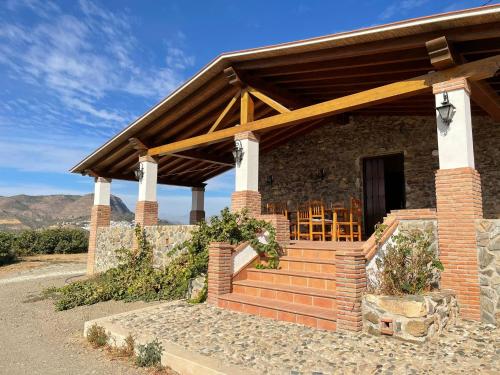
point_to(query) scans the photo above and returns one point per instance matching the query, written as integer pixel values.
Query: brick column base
(219, 271)
(195, 216)
(146, 213)
(350, 278)
(100, 217)
(459, 204)
(251, 200)
(282, 226)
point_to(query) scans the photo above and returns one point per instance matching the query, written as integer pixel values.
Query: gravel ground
(271, 347)
(35, 339)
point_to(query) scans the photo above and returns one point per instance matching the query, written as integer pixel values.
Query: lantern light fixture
(238, 152)
(446, 110)
(139, 173)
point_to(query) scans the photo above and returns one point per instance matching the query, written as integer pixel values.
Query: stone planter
(416, 318)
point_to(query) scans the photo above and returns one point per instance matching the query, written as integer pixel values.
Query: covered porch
(301, 122)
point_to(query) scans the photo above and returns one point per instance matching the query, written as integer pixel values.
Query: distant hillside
(26, 211)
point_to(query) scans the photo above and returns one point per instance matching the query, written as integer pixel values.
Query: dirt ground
(35, 339)
(40, 261)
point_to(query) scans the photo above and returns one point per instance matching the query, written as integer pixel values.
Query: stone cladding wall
(339, 149)
(162, 238)
(488, 239)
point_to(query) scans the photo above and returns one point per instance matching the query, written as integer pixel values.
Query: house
(345, 115)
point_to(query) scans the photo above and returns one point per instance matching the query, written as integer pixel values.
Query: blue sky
(74, 73)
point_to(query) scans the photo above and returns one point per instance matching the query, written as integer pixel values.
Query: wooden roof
(296, 74)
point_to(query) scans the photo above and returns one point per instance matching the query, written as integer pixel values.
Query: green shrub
(7, 254)
(97, 336)
(135, 278)
(409, 265)
(51, 241)
(149, 355)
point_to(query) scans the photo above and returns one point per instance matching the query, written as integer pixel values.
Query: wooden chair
(277, 208)
(303, 222)
(319, 222)
(350, 229)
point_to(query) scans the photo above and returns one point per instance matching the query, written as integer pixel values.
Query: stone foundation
(100, 218)
(488, 238)
(162, 238)
(410, 318)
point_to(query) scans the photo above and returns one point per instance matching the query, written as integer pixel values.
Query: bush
(7, 254)
(97, 336)
(409, 265)
(135, 278)
(149, 355)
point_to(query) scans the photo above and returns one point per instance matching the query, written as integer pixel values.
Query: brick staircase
(302, 290)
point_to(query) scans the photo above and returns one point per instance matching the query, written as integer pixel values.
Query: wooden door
(374, 193)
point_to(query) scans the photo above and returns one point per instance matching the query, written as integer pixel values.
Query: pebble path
(272, 347)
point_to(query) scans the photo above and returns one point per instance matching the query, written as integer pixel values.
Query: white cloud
(401, 8)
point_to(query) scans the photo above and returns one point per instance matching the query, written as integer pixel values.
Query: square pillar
(219, 271)
(458, 200)
(146, 210)
(197, 213)
(246, 194)
(100, 217)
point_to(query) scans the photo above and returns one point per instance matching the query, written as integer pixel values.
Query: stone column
(219, 271)
(197, 213)
(146, 210)
(458, 199)
(100, 217)
(246, 194)
(350, 279)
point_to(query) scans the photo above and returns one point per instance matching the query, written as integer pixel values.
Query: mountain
(27, 211)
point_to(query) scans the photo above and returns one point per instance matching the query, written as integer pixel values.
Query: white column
(455, 142)
(198, 198)
(147, 185)
(102, 191)
(247, 172)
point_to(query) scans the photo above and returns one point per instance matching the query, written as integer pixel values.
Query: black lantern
(270, 179)
(238, 153)
(446, 110)
(139, 173)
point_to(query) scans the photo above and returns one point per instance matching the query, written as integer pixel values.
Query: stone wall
(162, 238)
(340, 149)
(416, 318)
(488, 238)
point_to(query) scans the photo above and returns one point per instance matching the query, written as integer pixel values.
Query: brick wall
(339, 149)
(195, 216)
(146, 213)
(100, 217)
(282, 226)
(350, 279)
(219, 271)
(246, 199)
(459, 205)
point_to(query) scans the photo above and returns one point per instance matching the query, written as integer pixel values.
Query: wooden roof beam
(210, 158)
(477, 70)
(442, 56)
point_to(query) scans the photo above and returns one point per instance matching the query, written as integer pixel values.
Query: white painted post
(147, 185)
(247, 172)
(455, 143)
(102, 191)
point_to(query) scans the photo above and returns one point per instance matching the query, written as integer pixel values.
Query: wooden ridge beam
(477, 70)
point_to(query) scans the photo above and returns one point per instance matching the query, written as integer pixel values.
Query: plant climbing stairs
(302, 290)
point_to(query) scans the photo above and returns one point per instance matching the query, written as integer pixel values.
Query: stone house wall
(488, 238)
(162, 238)
(340, 149)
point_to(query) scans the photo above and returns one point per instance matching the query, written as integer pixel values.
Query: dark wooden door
(374, 193)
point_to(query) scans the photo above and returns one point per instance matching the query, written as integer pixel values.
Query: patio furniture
(303, 220)
(350, 229)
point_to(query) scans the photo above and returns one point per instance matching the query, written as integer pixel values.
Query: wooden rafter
(269, 101)
(214, 159)
(224, 113)
(477, 70)
(442, 56)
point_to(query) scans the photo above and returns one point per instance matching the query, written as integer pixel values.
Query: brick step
(311, 316)
(315, 280)
(286, 293)
(307, 265)
(310, 253)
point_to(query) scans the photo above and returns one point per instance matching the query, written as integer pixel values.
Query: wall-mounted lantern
(139, 173)
(320, 174)
(270, 179)
(446, 110)
(238, 153)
